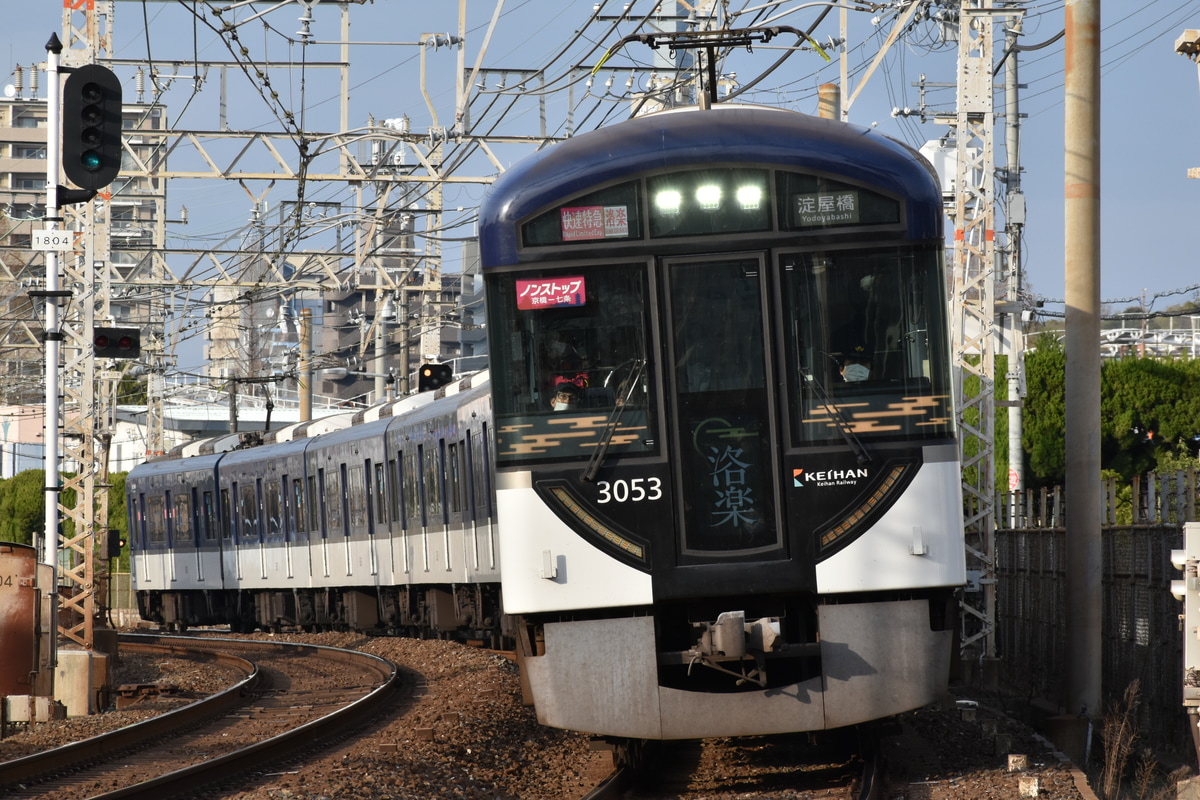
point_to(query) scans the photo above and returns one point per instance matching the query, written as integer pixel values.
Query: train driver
(566, 396)
(856, 364)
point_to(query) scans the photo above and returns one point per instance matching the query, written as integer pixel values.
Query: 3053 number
(629, 491)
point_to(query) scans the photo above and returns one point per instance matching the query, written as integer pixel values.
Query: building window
(22, 180)
(37, 151)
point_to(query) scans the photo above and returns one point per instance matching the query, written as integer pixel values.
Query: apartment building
(135, 212)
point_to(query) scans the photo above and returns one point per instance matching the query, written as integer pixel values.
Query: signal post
(84, 116)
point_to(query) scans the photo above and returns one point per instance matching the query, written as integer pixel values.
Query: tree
(1149, 413)
(118, 520)
(1147, 405)
(23, 511)
(22, 506)
(1043, 424)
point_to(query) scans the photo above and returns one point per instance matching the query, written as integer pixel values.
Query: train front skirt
(878, 660)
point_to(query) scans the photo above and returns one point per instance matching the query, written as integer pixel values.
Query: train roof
(309, 427)
(684, 138)
(169, 465)
(302, 432)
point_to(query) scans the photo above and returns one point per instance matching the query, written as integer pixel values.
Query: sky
(1150, 102)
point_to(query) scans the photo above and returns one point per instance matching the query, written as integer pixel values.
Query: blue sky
(1150, 103)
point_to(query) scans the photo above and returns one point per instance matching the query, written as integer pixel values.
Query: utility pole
(1014, 225)
(1081, 185)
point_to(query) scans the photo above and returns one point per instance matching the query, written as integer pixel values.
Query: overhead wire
(460, 153)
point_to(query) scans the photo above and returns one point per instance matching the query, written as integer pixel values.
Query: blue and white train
(711, 487)
(380, 521)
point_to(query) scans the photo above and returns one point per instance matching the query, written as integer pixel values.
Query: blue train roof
(693, 137)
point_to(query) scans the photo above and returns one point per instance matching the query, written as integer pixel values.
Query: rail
(193, 779)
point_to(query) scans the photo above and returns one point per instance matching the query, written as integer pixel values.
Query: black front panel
(721, 411)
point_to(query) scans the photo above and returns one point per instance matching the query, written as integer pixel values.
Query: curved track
(292, 698)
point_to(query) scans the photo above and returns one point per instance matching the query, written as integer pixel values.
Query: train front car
(728, 482)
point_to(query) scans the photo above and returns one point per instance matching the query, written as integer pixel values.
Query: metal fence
(122, 605)
(1141, 631)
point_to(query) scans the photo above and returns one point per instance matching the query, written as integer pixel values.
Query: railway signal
(91, 126)
(433, 376)
(113, 542)
(116, 342)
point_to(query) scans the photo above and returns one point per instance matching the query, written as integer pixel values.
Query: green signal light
(90, 160)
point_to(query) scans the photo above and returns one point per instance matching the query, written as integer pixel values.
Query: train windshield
(569, 348)
(867, 344)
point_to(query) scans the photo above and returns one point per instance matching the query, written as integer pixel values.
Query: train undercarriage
(470, 612)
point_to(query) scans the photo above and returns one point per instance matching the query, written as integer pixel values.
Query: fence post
(1153, 490)
(1136, 489)
(1191, 495)
(1180, 497)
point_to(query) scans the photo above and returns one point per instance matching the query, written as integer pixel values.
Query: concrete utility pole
(1014, 225)
(1081, 245)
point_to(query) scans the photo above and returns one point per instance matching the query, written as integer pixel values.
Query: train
(709, 484)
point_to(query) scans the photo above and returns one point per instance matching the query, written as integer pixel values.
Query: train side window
(247, 514)
(183, 519)
(226, 515)
(412, 479)
(314, 505)
(170, 522)
(423, 485)
(381, 495)
(356, 492)
(455, 481)
(273, 510)
(472, 489)
(286, 517)
(137, 531)
(440, 476)
(299, 511)
(485, 441)
(197, 521)
(319, 498)
(395, 482)
(208, 516)
(156, 519)
(333, 503)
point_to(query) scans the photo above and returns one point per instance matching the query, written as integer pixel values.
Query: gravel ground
(193, 681)
(946, 753)
(465, 734)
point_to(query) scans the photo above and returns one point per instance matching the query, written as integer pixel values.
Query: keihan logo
(829, 477)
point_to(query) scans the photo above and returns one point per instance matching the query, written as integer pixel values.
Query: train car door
(197, 538)
(722, 430)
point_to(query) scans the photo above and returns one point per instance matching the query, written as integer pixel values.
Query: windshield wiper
(860, 450)
(597, 458)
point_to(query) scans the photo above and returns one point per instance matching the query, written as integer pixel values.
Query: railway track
(762, 767)
(291, 698)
